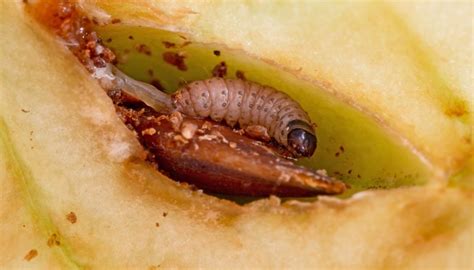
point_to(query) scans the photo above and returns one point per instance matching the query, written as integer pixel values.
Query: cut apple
(64, 150)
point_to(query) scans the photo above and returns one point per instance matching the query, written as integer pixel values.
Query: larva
(247, 103)
(234, 101)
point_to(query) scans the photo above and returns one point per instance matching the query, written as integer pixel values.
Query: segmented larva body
(247, 103)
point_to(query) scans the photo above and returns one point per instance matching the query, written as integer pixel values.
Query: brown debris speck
(341, 148)
(336, 154)
(217, 52)
(165, 214)
(157, 224)
(53, 240)
(240, 75)
(220, 70)
(176, 118)
(206, 125)
(176, 59)
(71, 217)
(143, 48)
(156, 83)
(169, 44)
(188, 130)
(149, 131)
(131, 37)
(150, 72)
(30, 255)
(25, 110)
(349, 171)
(180, 139)
(114, 21)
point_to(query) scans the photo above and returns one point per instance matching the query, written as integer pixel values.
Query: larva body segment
(247, 103)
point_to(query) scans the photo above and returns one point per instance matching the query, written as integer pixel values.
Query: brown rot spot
(165, 214)
(341, 148)
(71, 217)
(175, 59)
(157, 224)
(349, 171)
(220, 70)
(131, 37)
(337, 154)
(169, 44)
(30, 255)
(240, 75)
(217, 52)
(143, 48)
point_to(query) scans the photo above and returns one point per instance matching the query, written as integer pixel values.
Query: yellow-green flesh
(351, 146)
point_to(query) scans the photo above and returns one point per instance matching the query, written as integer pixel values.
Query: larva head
(301, 139)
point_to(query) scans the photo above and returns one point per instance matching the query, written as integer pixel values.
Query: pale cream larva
(248, 104)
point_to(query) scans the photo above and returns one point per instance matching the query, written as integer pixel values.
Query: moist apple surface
(80, 158)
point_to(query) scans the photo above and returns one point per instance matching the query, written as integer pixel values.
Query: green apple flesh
(349, 141)
(63, 149)
(401, 63)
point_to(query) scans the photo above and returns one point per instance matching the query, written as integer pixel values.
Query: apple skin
(63, 150)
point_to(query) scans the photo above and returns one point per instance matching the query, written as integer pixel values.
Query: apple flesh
(63, 150)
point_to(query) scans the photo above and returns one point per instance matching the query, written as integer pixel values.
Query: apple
(388, 83)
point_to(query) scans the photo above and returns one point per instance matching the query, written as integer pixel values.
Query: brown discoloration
(220, 160)
(71, 217)
(30, 255)
(76, 29)
(176, 59)
(220, 70)
(457, 109)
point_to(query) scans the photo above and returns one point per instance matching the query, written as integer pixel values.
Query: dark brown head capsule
(301, 139)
